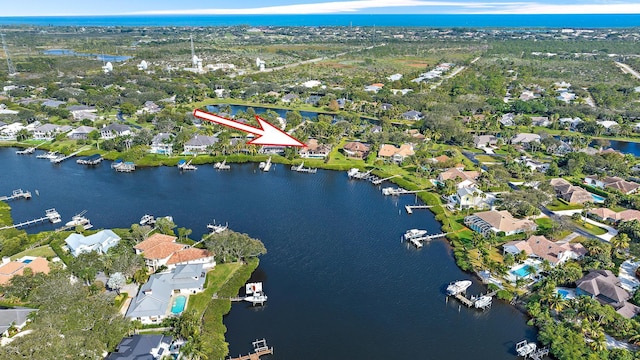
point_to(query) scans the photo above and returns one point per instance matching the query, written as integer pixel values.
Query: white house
(470, 197)
(161, 144)
(199, 144)
(114, 130)
(49, 131)
(538, 246)
(101, 242)
(162, 250)
(81, 132)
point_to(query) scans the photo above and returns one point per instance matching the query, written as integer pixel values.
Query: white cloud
(418, 7)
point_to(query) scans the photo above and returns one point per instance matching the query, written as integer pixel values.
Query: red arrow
(267, 133)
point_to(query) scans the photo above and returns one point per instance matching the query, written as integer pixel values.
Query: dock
(59, 159)
(379, 181)
(222, 166)
(418, 241)
(186, 165)
(92, 160)
(302, 169)
(17, 194)
(479, 302)
(50, 215)
(410, 208)
(260, 348)
(121, 166)
(389, 191)
(265, 166)
(27, 151)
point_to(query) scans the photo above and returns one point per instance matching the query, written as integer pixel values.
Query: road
(627, 69)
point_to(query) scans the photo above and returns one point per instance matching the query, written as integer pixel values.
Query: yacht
(50, 155)
(147, 220)
(524, 348)
(79, 219)
(216, 229)
(483, 302)
(414, 234)
(458, 287)
(255, 295)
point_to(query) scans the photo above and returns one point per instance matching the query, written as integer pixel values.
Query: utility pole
(12, 70)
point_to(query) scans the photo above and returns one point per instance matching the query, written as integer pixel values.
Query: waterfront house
(80, 133)
(604, 286)
(314, 150)
(462, 178)
(101, 242)
(492, 221)
(49, 131)
(162, 144)
(483, 141)
(199, 144)
(162, 250)
(470, 198)
(16, 317)
(313, 100)
(114, 130)
(612, 182)
(412, 115)
(539, 247)
(10, 131)
(153, 302)
(272, 150)
(9, 268)
(142, 347)
(396, 155)
(356, 150)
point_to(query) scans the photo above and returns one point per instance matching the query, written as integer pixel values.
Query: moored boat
(414, 234)
(458, 287)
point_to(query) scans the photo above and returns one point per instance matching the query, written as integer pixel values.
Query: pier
(27, 151)
(265, 166)
(379, 181)
(17, 194)
(410, 208)
(398, 191)
(59, 159)
(418, 241)
(121, 166)
(50, 215)
(302, 169)
(260, 348)
(186, 165)
(90, 160)
(222, 166)
(482, 302)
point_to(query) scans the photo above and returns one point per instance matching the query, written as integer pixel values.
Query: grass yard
(44, 251)
(592, 229)
(559, 205)
(215, 279)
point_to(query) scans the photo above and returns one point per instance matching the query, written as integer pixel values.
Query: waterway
(101, 57)
(260, 110)
(625, 147)
(340, 283)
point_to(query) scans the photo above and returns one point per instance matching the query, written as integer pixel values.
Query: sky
(225, 7)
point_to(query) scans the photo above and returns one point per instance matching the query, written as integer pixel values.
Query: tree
(620, 242)
(233, 245)
(86, 266)
(165, 225)
(127, 108)
(116, 282)
(183, 233)
(141, 275)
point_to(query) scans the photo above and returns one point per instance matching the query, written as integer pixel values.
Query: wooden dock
(410, 208)
(470, 302)
(399, 191)
(17, 194)
(60, 159)
(379, 181)
(260, 348)
(51, 215)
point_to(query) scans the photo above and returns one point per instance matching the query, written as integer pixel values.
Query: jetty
(92, 160)
(17, 194)
(186, 165)
(51, 215)
(482, 302)
(265, 166)
(379, 181)
(410, 208)
(302, 169)
(61, 158)
(418, 239)
(50, 155)
(222, 165)
(27, 151)
(530, 350)
(390, 191)
(121, 166)
(260, 348)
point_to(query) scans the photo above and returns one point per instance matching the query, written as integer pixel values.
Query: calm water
(426, 20)
(260, 110)
(340, 283)
(101, 57)
(625, 147)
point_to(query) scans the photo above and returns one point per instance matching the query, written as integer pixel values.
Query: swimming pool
(523, 271)
(178, 304)
(26, 261)
(597, 198)
(563, 293)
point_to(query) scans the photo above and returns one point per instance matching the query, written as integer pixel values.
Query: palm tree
(620, 242)
(557, 302)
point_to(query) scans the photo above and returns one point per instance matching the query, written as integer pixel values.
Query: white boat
(53, 216)
(27, 151)
(147, 220)
(414, 234)
(483, 302)
(265, 166)
(524, 348)
(352, 172)
(254, 292)
(216, 229)
(458, 287)
(222, 165)
(50, 155)
(79, 220)
(184, 165)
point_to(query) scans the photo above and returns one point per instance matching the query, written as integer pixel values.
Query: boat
(27, 151)
(53, 216)
(458, 287)
(147, 219)
(483, 302)
(79, 219)
(184, 165)
(524, 348)
(265, 166)
(216, 229)
(414, 234)
(50, 155)
(255, 293)
(222, 165)
(352, 172)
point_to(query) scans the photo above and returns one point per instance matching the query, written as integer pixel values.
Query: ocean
(381, 20)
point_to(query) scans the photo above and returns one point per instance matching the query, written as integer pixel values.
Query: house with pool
(162, 250)
(541, 248)
(604, 286)
(166, 294)
(487, 222)
(612, 183)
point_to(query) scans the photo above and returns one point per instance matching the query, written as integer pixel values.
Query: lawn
(487, 158)
(559, 205)
(592, 229)
(44, 251)
(215, 279)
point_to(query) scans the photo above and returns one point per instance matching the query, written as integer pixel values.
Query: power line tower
(12, 69)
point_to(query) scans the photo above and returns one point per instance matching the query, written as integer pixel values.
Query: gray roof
(17, 316)
(138, 347)
(603, 285)
(202, 140)
(101, 241)
(160, 137)
(84, 129)
(53, 103)
(154, 296)
(47, 128)
(116, 127)
(80, 108)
